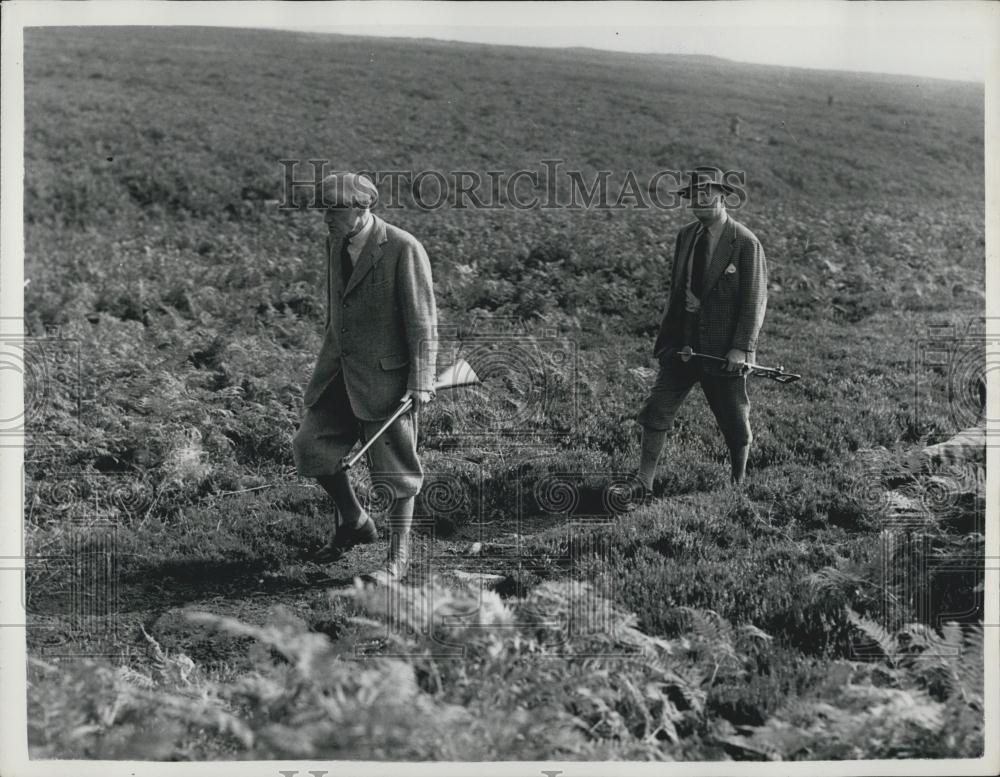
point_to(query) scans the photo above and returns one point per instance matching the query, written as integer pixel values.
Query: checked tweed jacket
(381, 328)
(733, 301)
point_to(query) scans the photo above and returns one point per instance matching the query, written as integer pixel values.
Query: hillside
(190, 309)
(143, 95)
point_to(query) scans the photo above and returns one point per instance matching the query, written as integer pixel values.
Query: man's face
(706, 204)
(343, 220)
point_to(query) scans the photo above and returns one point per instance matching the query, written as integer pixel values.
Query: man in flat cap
(718, 295)
(379, 349)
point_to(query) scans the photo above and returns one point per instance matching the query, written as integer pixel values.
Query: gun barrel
(350, 461)
(458, 375)
(778, 373)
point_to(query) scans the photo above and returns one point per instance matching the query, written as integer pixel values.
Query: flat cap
(349, 190)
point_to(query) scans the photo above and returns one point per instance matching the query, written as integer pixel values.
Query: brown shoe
(346, 538)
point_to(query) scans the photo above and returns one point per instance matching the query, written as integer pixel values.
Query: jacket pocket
(394, 362)
(380, 274)
(728, 284)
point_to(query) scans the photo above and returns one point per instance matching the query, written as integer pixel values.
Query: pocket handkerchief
(730, 269)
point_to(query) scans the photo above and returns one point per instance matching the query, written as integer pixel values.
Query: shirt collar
(716, 229)
(360, 238)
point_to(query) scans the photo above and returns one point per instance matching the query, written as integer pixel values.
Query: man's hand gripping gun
(774, 373)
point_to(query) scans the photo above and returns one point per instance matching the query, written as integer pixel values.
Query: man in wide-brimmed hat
(379, 348)
(718, 295)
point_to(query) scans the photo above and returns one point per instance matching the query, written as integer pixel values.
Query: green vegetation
(757, 620)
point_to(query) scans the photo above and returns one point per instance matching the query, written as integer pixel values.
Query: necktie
(346, 265)
(698, 262)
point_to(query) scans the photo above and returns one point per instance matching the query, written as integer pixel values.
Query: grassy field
(786, 621)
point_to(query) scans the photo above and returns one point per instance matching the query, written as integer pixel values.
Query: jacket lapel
(680, 265)
(369, 256)
(720, 258)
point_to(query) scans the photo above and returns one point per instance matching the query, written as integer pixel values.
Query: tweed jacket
(381, 329)
(733, 300)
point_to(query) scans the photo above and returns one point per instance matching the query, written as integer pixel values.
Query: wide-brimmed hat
(706, 177)
(348, 190)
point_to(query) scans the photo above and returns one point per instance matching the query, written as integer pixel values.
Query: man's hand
(420, 398)
(691, 303)
(735, 360)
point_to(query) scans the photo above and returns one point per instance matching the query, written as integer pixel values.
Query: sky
(947, 39)
(943, 40)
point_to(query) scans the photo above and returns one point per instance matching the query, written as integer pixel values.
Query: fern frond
(876, 633)
(834, 580)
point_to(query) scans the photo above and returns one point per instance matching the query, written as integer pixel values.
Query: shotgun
(457, 375)
(774, 373)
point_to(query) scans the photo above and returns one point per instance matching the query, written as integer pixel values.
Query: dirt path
(158, 605)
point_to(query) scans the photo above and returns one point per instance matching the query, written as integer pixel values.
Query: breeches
(726, 395)
(329, 430)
